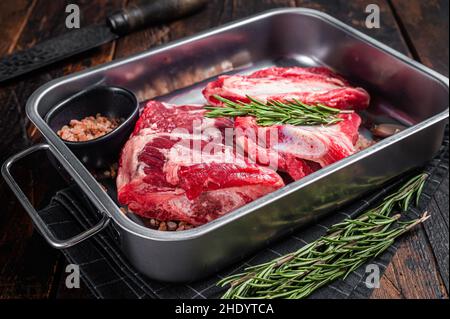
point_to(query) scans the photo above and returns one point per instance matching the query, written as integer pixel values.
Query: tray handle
(46, 233)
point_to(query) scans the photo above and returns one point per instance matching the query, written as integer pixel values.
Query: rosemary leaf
(347, 246)
(293, 112)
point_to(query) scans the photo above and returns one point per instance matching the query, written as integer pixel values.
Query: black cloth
(108, 274)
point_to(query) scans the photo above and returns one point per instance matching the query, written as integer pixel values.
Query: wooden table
(29, 268)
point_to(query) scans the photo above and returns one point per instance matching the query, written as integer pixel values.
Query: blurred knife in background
(134, 17)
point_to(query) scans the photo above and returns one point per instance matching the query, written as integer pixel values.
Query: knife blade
(79, 40)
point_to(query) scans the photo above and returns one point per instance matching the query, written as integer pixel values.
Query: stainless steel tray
(402, 90)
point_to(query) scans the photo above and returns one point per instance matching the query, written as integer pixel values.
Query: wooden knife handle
(152, 12)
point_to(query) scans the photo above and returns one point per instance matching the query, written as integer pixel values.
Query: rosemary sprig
(273, 112)
(346, 246)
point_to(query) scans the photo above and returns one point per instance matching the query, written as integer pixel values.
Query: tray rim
(104, 203)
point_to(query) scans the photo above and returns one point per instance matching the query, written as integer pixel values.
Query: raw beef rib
(298, 150)
(170, 171)
(309, 85)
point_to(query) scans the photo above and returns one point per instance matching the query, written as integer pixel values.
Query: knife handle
(150, 13)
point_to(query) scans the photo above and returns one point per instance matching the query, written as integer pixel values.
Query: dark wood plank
(438, 232)
(441, 201)
(426, 26)
(16, 236)
(29, 266)
(12, 22)
(408, 275)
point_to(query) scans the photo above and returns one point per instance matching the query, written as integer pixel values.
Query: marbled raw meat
(309, 85)
(175, 166)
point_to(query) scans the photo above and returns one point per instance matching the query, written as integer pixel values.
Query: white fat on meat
(263, 88)
(312, 143)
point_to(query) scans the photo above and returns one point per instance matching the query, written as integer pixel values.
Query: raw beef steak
(170, 171)
(162, 117)
(309, 85)
(298, 150)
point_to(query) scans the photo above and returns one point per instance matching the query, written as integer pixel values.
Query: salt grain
(88, 128)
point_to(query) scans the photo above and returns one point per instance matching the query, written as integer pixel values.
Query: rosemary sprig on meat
(346, 246)
(273, 112)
